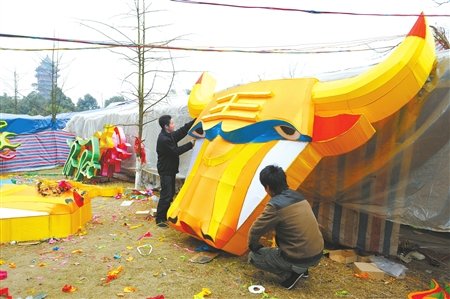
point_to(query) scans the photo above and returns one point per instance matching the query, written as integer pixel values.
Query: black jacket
(168, 150)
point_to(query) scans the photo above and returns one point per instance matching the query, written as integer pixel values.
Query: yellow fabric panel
(41, 227)
(271, 99)
(8, 189)
(63, 219)
(227, 186)
(24, 229)
(174, 207)
(228, 228)
(302, 166)
(384, 88)
(359, 134)
(201, 94)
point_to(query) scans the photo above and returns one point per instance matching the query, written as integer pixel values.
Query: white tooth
(197, 147)
(282, 154)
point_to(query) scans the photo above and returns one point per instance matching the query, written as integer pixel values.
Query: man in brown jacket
(299, 240)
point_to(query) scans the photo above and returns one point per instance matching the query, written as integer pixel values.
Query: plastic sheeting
(402, 173)
(25, 124)
(41, 150)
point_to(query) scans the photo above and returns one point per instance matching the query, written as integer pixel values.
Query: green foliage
(87, 103)
(114, 99)
(7, 104)
(35, 104)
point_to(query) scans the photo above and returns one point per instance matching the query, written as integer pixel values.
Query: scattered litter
(410, 256)
(146, 235)
(5, 292)
(345, 256)
(129, 290)
(390, 267)
(187, 249)
(256, 289)
(142, 249)
(203, 257)
(206, 247)
(202, 294)
(29, 243)
(41, 295)
(143, 213)
(69, 289)
(366, 270)
(135, 226)
(3, 275)
(435, 291)
(126, 203)
(113, 274)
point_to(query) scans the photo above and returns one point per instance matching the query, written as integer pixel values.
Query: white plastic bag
(392, 268)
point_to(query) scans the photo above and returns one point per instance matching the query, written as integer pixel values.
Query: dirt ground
(117, 241)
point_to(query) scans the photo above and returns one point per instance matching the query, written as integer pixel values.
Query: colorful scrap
(7, 150)
(435, 291)
(100, 155)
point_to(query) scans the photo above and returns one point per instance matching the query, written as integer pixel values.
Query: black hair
(164, 121)
(274, 177)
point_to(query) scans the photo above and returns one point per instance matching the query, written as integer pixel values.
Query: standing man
(168, 162)
(299, 240)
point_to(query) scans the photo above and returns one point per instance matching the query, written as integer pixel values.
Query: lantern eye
(287, 132)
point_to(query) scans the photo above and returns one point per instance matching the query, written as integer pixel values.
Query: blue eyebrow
(263, 131)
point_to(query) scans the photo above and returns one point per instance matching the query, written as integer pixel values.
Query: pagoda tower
(44, 77)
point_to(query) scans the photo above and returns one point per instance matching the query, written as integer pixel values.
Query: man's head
(166, 123)
(273, 179)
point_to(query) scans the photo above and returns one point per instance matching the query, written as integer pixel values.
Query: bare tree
(440, 35)
(15, 89)
(439, 3)
(152, 78)
(292, 69)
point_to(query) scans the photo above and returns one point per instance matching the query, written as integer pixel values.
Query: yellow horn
(386, 87)
(202, 93)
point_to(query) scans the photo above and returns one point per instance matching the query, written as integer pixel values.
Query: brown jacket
(297, 232)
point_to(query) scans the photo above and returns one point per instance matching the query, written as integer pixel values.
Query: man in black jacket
(168, 162)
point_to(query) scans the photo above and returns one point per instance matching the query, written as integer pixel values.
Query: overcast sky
(99, 72)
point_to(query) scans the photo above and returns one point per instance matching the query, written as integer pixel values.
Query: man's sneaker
(305, 274)
(162, 225)
(291, 281)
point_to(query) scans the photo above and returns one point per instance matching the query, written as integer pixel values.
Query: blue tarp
(25, 124)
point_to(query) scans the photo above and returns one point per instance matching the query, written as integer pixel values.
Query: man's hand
(256, 248)
(193, 143)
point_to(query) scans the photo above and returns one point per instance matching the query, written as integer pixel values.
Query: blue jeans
(270, 260)
(165, 197)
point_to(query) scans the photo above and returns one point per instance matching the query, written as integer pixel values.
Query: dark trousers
(166, 197)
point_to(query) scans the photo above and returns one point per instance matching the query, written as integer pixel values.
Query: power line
(102, 45)
(308, 11)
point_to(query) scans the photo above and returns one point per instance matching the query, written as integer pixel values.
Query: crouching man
(299, 240)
